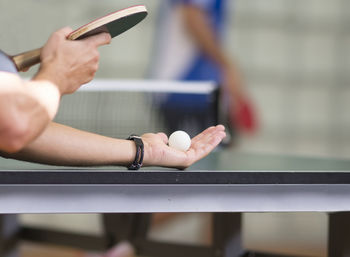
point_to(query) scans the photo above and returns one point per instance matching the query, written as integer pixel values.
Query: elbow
(14, 137)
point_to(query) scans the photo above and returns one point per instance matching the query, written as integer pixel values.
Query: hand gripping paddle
(114, 23)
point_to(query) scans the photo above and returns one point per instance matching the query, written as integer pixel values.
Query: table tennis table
(225, 183)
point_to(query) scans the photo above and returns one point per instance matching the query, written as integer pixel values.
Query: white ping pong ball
(180, 140)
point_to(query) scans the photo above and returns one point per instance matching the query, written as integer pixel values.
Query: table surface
(225, 181)
(220, 167)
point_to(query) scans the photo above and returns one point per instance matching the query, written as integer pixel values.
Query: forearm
(65, 146)
(199, 28)
(25, 110)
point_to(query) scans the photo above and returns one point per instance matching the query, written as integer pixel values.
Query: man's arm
(62, 145)
(242, 114)
(199, 28)
(26, 108)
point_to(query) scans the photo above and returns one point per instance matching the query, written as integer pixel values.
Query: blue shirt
(176, 56)
(202, 67)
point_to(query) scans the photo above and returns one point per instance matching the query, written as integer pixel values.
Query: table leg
(125, 226)
(227, 237)
(9, 235)
(339, 234)
(134, 228)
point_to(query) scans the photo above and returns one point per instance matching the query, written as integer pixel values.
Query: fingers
(208, 139)
(220, 127)
(207, 132)
(203, 134)
(99, 39)
(217, 138)
(96, 40)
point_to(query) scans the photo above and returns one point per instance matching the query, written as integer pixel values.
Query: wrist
(46, 93)
(45, 74)
(147, 160)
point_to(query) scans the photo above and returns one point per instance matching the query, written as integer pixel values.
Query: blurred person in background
(189, 46)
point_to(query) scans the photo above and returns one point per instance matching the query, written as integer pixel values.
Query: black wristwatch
(137, 163)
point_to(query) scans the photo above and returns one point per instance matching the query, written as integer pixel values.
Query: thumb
(65, 31)
(163, 137)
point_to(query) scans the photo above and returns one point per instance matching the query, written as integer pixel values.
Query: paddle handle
(26, 59)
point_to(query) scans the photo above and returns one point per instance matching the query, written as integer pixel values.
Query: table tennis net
(118, 108)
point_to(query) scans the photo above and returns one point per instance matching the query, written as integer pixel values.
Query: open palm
(158, 153)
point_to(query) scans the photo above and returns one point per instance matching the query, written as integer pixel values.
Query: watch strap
(137, 163)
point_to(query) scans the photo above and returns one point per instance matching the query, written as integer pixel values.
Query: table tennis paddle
(114, 23)
(243, 117)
